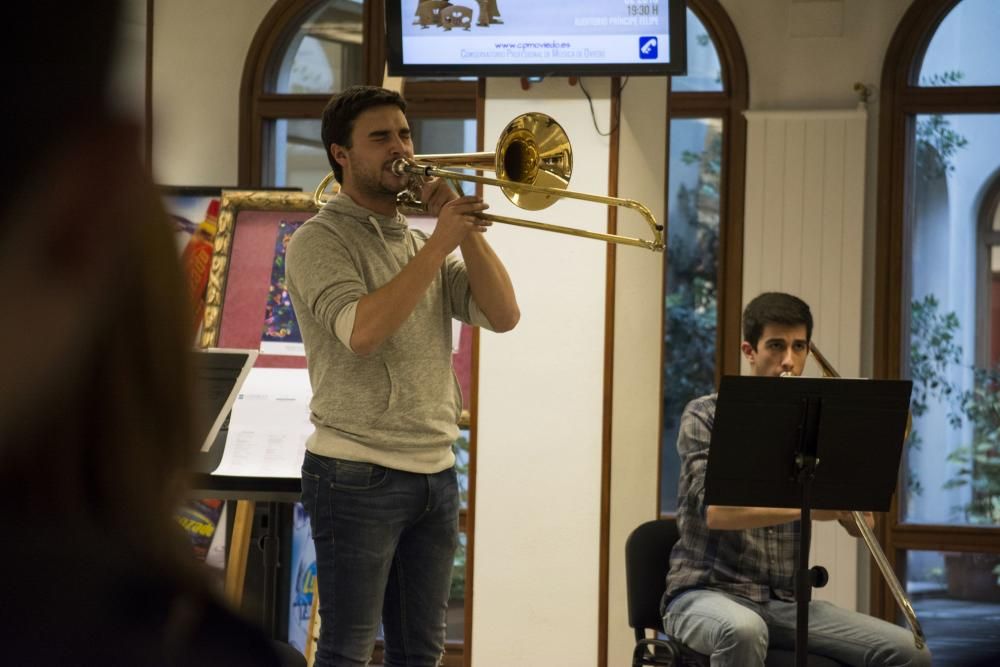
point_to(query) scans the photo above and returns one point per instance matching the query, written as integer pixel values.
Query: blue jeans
(385, 542)
(736, 631)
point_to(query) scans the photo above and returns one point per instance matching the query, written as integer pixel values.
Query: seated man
(730, 590)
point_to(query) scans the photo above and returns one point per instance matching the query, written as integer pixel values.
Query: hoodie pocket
(423, 392)
(363, 400)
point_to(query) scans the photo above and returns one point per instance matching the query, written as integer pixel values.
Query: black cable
(593, 115)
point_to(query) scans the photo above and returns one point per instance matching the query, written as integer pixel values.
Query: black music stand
(806, 443)
(219, 375)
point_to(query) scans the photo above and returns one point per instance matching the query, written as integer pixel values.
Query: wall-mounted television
(535, 37)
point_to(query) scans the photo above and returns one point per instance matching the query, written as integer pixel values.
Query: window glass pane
(325, 55)
(299, 158)
(952, 465)
(957, 601)
(704, 70)
(964, 50)
(692, 288)
(445, 135)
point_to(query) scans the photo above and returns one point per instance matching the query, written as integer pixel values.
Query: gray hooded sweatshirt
(399, 406)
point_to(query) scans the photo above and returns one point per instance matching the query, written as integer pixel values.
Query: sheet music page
(269, 425)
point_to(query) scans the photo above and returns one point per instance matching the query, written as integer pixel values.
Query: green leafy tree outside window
(692, 298)
(937, 142)
(934, 351)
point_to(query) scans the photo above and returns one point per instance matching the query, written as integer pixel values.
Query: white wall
(541, 392)
(638, 362)
(541, 410)
(199, 49)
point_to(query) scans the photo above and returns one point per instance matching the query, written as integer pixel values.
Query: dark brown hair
(342, 109)
(774, 308)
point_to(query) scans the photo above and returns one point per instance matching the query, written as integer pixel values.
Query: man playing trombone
(375, 300)
(730, 588)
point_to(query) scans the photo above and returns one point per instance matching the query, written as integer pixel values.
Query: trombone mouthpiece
(399, 167)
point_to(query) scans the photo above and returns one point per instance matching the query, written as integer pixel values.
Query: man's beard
(371, 183)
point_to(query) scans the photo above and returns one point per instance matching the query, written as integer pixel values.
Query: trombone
(533, 162)
(869, 537)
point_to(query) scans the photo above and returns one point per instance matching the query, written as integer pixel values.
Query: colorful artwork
(186, 209)
(248, 277)
(193, 214)
(303, 583)
(280, 325)
(199, 519)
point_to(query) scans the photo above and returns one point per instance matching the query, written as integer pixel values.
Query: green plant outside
(934, 351)
(937, 143)
(692, 289)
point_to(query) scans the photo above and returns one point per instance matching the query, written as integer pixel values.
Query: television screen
(535, 38)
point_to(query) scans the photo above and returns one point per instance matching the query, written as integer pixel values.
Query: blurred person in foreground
(96, 425)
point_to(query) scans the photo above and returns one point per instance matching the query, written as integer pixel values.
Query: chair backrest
(647, 560)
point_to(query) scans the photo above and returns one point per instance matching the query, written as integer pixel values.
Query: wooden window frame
(727, 105)
(260, 107)
(902, 100)
(986, 239)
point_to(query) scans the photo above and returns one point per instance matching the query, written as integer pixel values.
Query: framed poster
(246, 303)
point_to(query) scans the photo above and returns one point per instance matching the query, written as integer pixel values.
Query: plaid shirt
(757, 563)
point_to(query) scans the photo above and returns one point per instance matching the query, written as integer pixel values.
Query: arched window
(705, 234)
(937, 312)
(303, 52)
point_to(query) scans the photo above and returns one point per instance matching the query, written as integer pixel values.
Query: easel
(312, 634)
(806, 443)
(239, 551)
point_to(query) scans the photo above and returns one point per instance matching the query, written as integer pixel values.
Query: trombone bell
(533, 150)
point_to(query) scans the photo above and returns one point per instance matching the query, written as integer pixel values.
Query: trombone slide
(657, 244)
(869, 537)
